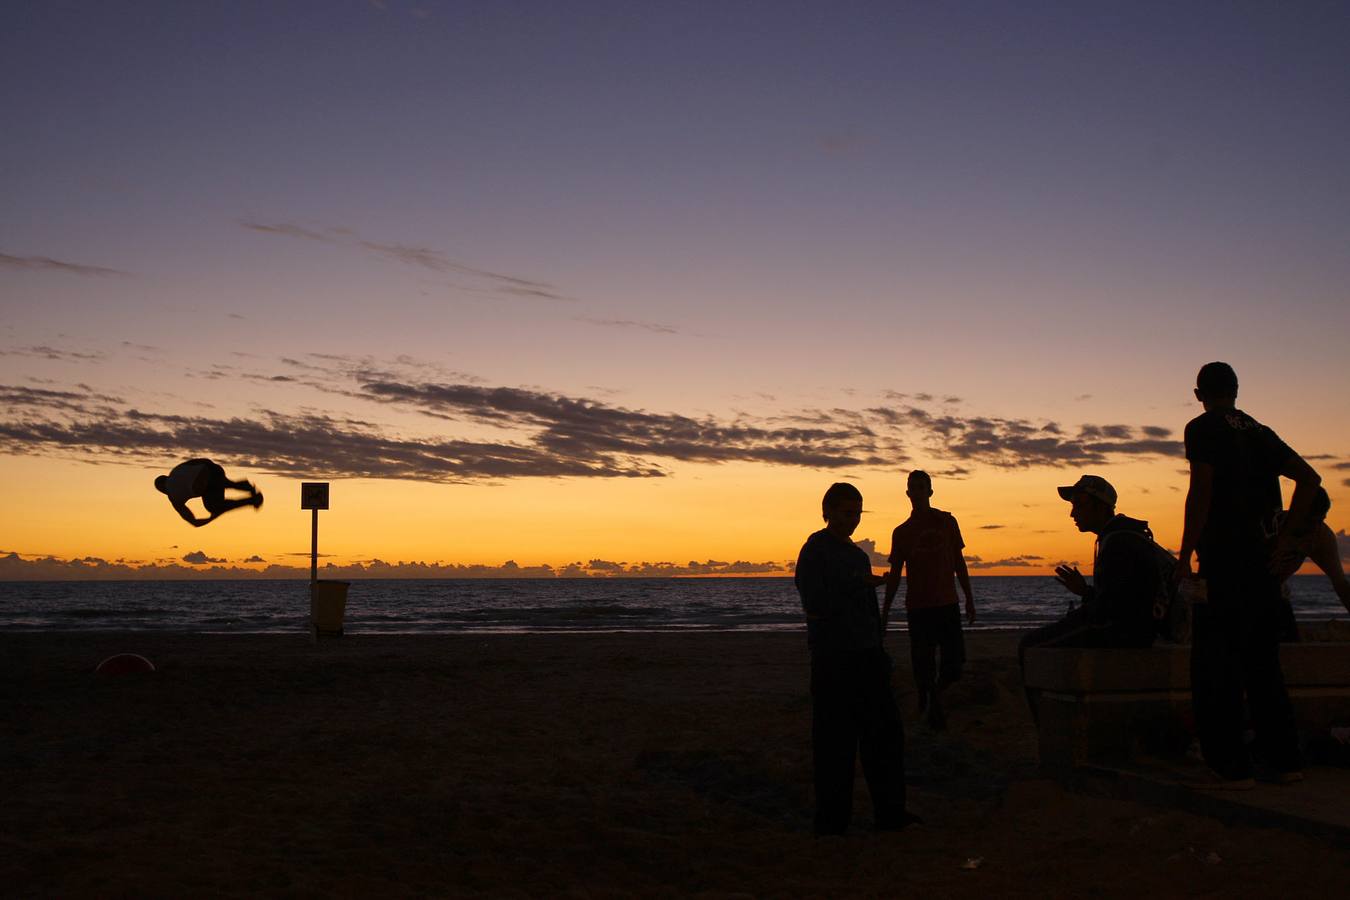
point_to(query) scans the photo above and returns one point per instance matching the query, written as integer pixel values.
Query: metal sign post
(327, 599)
(314, 496)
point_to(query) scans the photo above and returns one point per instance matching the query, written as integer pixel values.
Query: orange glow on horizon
(701, 514)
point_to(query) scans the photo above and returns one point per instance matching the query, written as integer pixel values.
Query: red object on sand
(124, 664)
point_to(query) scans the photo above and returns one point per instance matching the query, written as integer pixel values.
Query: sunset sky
(627, 283)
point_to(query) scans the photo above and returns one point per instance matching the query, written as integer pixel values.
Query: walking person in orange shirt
(927, 546)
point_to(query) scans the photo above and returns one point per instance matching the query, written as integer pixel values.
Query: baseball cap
(1093, 486)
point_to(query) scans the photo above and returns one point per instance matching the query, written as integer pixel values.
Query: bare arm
(963, 579)
(892, 586)
(187, 515)
(1327, 555)
(1198, 497)
(1306, 481)
(810, 581)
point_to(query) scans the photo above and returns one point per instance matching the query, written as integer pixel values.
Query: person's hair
(1321, 505)
(837, 494)
(1217, 380)
(919, 476)
(160, 481)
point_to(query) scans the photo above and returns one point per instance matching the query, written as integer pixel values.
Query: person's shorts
(932, 628)
(213, 483)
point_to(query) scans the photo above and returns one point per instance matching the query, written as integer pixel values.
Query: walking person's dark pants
(929, 630)
(1235, 651)
(853, 713)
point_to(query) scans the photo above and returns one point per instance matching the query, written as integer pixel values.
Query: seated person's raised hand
(1071, 578)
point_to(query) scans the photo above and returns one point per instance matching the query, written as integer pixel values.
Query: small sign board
(313, 495)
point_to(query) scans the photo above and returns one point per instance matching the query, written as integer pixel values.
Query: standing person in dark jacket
(1117, 608)
(853, 711)
(1231, 510)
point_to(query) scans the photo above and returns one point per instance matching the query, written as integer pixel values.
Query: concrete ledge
(1167, 667)
(1070, 671)
(1112, 706)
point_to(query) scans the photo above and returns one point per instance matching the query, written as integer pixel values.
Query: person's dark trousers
(853, 713)
(930, 630)
(1070, 631)
(1235, 651)
(1288, 626)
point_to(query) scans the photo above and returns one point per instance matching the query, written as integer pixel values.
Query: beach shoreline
(527, 764)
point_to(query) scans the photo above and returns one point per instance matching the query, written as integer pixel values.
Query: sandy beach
(538, 765)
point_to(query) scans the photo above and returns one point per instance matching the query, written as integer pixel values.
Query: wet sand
(536, 765)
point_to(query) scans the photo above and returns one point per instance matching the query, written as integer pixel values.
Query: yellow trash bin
(327, 603)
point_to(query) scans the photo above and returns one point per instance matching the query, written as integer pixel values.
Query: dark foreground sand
(607, 765)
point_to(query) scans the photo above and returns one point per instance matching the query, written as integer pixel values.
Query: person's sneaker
(1292, 777)
(900, 823)
(257, 500)
(1213, 781)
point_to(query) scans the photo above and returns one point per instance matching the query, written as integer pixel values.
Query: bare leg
(220, 506)
(254, 498)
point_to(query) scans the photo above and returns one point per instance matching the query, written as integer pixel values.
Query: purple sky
(716, 212)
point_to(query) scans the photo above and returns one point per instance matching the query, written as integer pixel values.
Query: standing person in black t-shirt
(853, 711)
(1231, 507)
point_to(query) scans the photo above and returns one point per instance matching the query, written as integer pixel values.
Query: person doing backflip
(203, 478)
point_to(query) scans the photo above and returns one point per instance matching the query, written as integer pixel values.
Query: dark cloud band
(544, 434)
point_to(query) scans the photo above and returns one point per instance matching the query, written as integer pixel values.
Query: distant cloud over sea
(17, 567)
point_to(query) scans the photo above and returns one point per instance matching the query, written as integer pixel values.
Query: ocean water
(508, 605)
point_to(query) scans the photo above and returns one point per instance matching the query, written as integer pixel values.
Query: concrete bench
(1111, 706)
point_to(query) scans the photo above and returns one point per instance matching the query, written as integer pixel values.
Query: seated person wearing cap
(1117, 608)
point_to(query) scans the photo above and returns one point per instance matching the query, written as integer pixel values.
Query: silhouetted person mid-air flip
(203, 478)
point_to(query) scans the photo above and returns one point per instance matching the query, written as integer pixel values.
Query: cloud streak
(426, 258)
(654, 327)
(55, 354)
(1025, 561)
(584, 429)
(1020, 443)
(47, 264)
(15, 567)
(303, 445)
